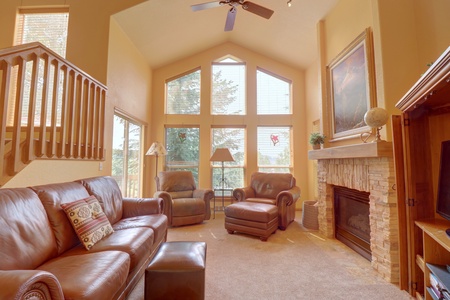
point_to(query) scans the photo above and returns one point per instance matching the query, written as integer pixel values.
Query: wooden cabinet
(435, 251)
(424, 124)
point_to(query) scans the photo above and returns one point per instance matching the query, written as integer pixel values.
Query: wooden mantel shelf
(363, 150)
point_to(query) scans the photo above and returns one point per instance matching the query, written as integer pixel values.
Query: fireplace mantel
(363, 150)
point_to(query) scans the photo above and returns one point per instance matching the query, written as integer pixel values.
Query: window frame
(214, 165)
(187, 167)
(281, 78)
(245, 100)
(166, 92)
(263, 168)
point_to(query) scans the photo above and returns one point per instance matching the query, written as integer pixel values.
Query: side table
(222, 191)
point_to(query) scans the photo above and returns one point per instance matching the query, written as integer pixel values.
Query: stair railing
(49, 109)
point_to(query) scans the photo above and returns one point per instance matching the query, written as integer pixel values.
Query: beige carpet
(294, 264)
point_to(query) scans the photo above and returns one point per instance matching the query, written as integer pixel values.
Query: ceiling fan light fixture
(246, 5)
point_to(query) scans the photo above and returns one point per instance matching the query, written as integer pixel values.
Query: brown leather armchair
(184, 204)
(272, 188)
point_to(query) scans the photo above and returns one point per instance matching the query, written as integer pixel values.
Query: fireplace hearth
(352, 223)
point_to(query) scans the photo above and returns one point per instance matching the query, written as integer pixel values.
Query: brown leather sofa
(184, 203)
(278, 189)
(42, 257)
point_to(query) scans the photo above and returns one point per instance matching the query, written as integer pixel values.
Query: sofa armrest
(29, 284)
(133, 207)
(240, 194)
(206, 195)
(167, 200)
(289, 197)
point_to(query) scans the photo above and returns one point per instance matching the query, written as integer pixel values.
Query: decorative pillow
(88, 220)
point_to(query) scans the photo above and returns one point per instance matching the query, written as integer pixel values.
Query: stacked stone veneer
(376, 176)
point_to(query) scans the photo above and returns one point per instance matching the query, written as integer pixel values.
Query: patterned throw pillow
(88, 220)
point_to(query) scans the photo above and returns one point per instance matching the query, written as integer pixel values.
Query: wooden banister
(49, 109)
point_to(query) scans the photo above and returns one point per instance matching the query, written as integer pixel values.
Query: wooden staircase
(49, 109)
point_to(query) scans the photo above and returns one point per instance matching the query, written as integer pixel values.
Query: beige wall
(313, 96)
(251, 120)
(339, 28)
(129, 89)
(108, 57)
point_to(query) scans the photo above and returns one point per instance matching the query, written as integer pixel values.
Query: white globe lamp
(376, 118)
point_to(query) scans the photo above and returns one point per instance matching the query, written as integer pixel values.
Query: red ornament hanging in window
(274, 139)
(182, 136)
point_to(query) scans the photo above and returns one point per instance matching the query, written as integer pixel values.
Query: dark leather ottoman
(177, 272)
(257, 219)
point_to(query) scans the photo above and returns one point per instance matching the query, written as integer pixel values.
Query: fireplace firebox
(352, 224)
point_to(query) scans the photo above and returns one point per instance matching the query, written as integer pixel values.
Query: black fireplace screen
(352, 224)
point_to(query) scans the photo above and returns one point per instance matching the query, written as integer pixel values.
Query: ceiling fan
(246, 5)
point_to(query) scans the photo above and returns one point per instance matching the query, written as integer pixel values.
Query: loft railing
(49, 109)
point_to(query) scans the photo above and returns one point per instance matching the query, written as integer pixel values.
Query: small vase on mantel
(316, 146)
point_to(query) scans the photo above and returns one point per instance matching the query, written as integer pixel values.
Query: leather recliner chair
(278, 189)
(184, 204)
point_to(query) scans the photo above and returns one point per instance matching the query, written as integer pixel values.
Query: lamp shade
(156, 149)
(222, 154)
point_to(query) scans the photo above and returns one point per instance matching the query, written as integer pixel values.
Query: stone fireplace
(367, 168)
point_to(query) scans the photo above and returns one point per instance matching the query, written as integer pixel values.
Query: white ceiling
(165, 31)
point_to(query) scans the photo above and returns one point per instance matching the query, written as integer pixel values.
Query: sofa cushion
(137, 242)
(26, 238)
(175, 181)
(182, 194)
(108, 193)
(158, 223)
(262, 200)
(52, 196)
(88, 220)
(91, 276)
(188, 207)
(269, 185)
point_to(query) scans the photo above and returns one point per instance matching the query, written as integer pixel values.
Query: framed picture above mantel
(351, 88)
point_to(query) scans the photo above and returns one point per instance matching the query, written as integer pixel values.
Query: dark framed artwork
(351, 87)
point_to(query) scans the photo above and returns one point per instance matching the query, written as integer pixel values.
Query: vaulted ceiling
(165, 31)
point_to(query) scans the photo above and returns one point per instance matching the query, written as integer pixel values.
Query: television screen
(443, 197)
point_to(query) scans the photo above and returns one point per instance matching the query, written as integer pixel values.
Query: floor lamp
(222, 155)
(156, 149)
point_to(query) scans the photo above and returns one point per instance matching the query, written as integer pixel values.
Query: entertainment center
(418, 138)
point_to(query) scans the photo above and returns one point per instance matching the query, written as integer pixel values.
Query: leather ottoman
(177, 272)
(257, 219)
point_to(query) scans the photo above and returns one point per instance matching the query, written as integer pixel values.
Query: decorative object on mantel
(316, 139)
(376, 118)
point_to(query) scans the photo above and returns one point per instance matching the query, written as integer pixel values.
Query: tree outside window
(234, 140)
(228, 88)
(183, 94)
(183, 148)
(126, 155)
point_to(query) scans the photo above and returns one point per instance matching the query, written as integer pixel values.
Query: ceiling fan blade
(257, 9)
(206, 5)
(229, 23)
